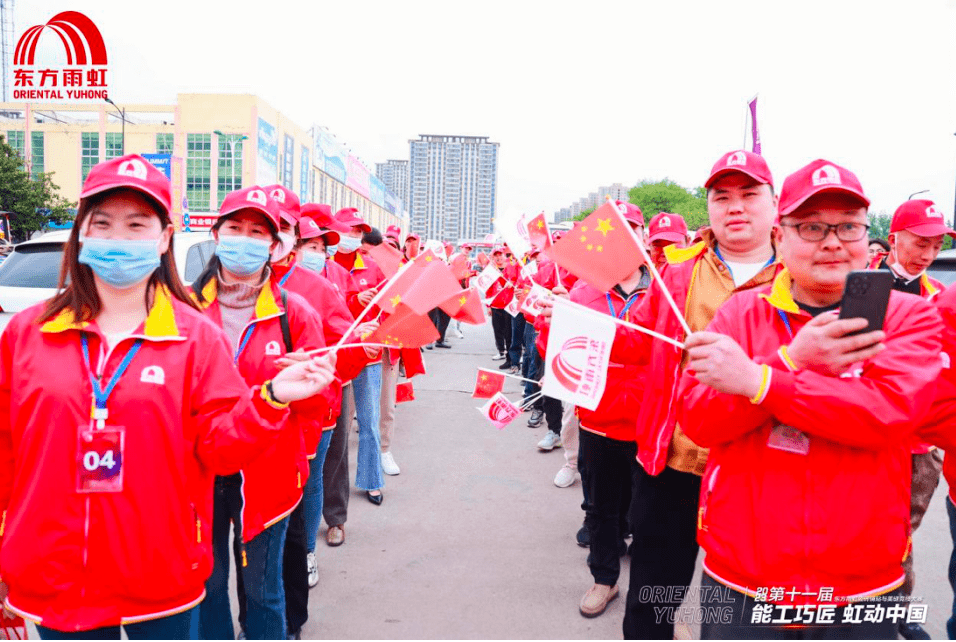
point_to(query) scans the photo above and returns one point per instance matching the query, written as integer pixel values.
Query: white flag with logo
(579, 350)
(487, 278)
(513, 308)
(532, 303)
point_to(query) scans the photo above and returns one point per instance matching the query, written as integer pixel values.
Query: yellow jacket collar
(928, 287)
(266, 304)
(677, 255)
(160, 322)
(780, 296)
(359, 264)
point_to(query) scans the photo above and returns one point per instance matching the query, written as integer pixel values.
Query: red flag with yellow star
(434, 285)
(488, 384)
(465, 306)
(405, 329)
(387, 258)
(602, 250)
(538, 232)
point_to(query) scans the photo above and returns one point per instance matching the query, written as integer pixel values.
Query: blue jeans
(172, 627)
(215, 615)
(517, 339)
(529, 369)
(367, 388)
(951, 511)
(314, 492)
(265, 593)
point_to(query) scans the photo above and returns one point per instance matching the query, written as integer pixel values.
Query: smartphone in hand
(866, 295)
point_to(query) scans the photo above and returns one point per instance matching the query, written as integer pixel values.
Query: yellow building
(209, 144)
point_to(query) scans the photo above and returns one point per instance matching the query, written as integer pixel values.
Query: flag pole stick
(375, 299)
(510, 376)
(627, 324)
(349, 345)
(530, 400)
(657, 277)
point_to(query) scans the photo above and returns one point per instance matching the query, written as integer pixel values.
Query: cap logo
(257, 196)
(278, 194)
(313, 225)
(132, 168)
(932, 212)
(737, 158)
(826, 175)
(664, 222)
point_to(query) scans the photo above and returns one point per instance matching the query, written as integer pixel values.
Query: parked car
(30, 274)
(943, 268)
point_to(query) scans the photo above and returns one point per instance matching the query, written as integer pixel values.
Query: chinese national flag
(460, 266)
(602, 250)
(538, 232)
(503, 297)
(404, 392)
(414, 364)
(405, 329)
(465, 306)
(488, 384)
(387, 258)
(433, 285)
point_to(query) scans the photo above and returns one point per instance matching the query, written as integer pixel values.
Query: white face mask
(286, 243)
(896, 267)
(348, 244)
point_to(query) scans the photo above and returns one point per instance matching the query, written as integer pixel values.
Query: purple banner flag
(753, 125)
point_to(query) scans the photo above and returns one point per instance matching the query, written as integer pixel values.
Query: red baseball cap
(133, 172)
(254, 198)
(815, 178)
(412, 235)
(667, 227)
(394, 231)
(322, 215)
(498, 250)
(632, 213)
(287, 201)
(744, 162)
(920, 217)
(309, 229)
(558, 234)
(349, 216)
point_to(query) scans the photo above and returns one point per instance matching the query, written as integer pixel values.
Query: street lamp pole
(123, 117)
(232, 139)
(922, 191)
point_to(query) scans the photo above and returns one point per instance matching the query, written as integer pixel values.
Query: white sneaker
(389, 467)
(460, 334)
(550, 442)
(313, 570)
(498, 357)
(565, 476)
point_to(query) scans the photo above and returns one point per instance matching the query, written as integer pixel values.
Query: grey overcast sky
(577, 94)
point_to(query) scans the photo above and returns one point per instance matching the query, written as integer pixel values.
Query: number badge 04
(99, 459)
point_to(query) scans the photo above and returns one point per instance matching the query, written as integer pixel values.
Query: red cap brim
(245, 205)
(676, 237)
(820, 190)
(730, 170)
(930, 230)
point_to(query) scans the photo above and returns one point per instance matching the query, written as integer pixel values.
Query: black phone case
(866, 295)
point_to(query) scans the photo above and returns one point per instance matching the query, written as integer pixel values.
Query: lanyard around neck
(102, 395)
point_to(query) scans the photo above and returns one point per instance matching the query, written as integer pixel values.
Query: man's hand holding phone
(827, 344)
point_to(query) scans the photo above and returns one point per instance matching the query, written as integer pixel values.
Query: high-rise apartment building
(394, 173)
(453, 183)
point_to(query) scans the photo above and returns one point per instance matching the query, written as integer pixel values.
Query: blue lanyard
(786, 322)
(287, 275)
(242, 344)
(720, 256)
(634, 297)
(99, 393)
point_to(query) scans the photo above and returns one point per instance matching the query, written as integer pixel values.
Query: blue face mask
(242, 255)
(313, 260)
(349, 244)
(122, 264)
(332, 249)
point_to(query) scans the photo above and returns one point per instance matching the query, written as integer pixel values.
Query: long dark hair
(80, 295)
(212, 268)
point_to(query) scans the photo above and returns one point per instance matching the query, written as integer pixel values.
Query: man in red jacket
(916, 237)
(810, 428)
(735, 254)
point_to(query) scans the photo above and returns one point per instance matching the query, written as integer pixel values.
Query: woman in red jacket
(119, 404)
(263, 323)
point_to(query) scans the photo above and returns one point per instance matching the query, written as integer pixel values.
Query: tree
(583, 214)
(32, 203)
(879, 224)
(668, 196)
